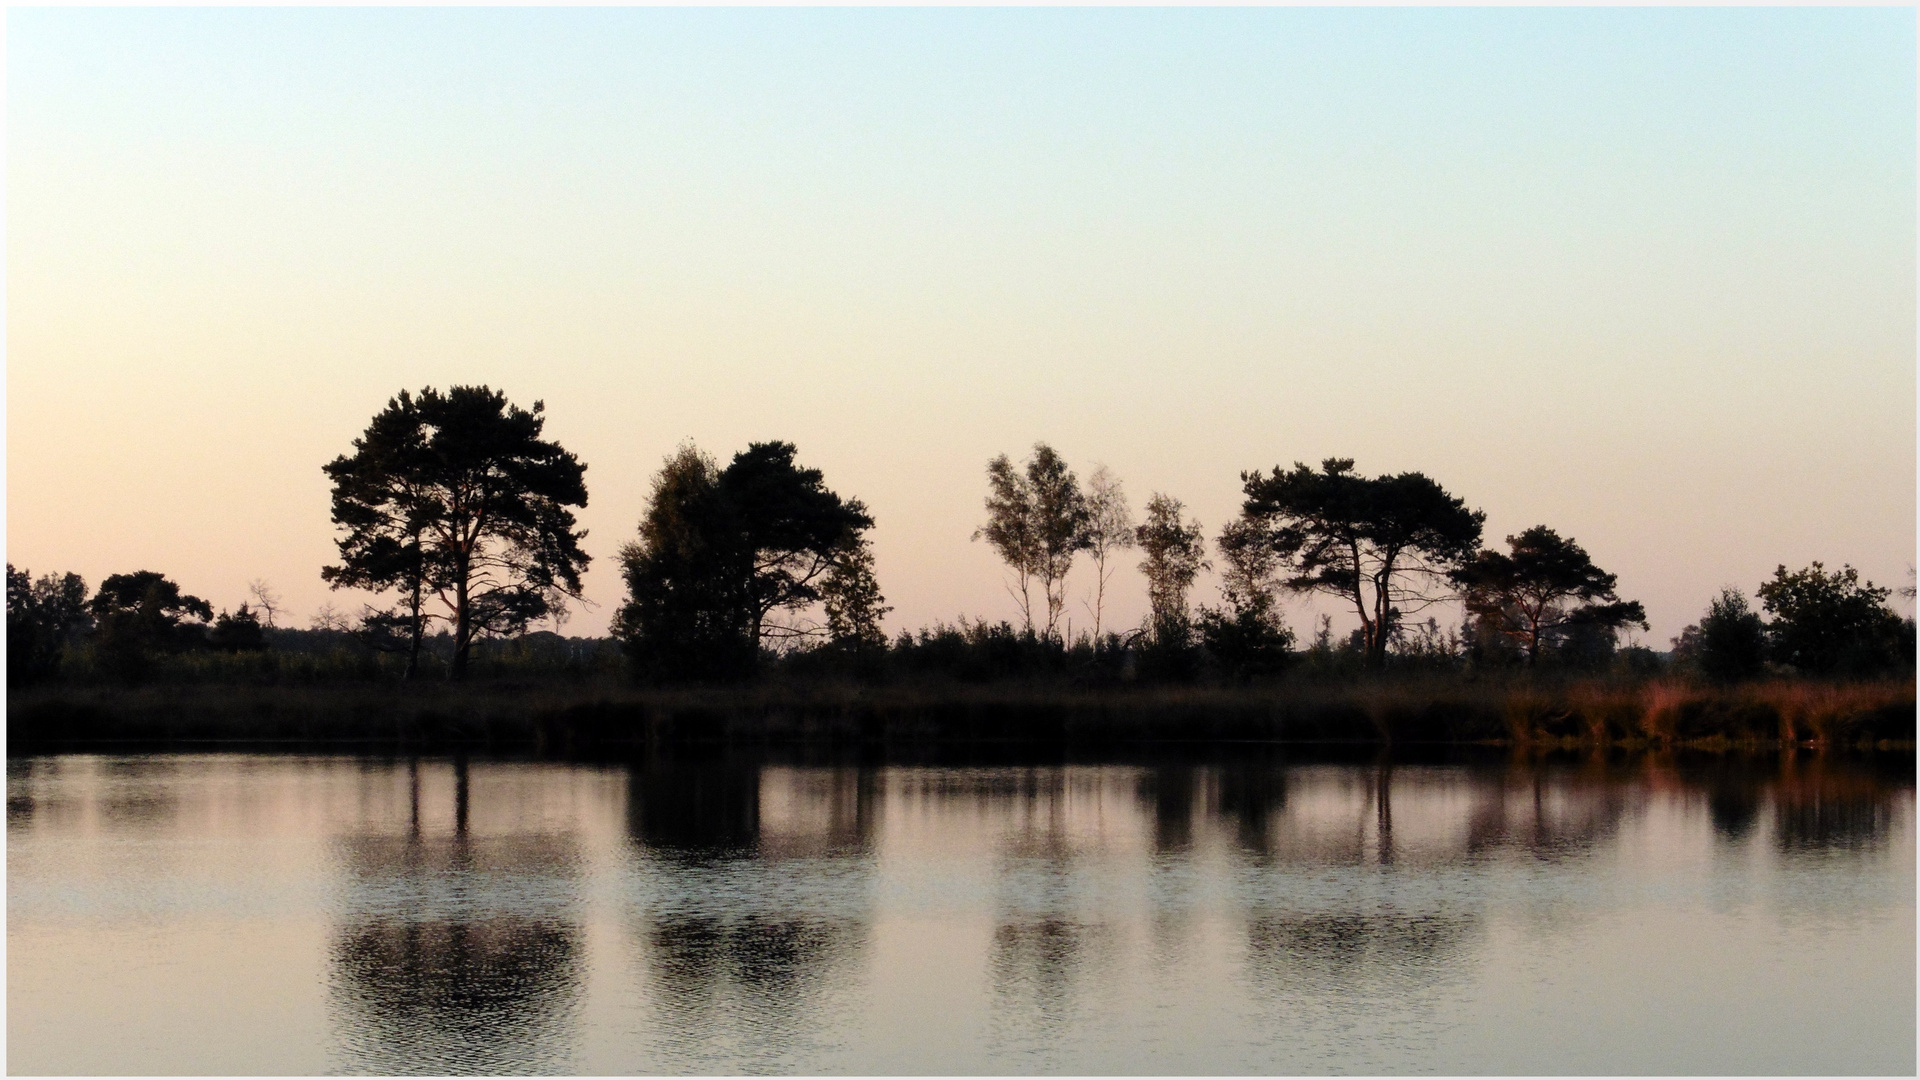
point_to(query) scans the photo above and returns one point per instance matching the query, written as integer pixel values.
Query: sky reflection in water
(295, 914)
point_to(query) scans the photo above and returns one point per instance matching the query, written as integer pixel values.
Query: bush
(1829, 624)
(1728, 644)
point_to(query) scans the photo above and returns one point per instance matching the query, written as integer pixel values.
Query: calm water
(243, 914)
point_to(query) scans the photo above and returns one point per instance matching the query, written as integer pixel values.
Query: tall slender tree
(1037, 521)
(1175, 553)
(1010, 530)
(1109, 529)
(455, 497)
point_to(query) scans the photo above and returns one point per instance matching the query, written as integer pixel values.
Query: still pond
(298, 914)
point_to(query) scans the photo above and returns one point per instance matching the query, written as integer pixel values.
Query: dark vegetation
(753, 613)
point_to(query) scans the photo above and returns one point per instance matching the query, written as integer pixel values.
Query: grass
(579, 716)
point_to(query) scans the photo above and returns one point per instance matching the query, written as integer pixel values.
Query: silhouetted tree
(238, 631)
(852, 598)
(266, 602)
(44, 617)
(1381, 544)
(1248, 636)
(456, 496)
(1109, 528)
(139, 614)
(1729, 643)
(720, 551)
(382, 498)
(1037, 521)
(789, 530)
(1175, 551)
(1010, 529)
(680, 619)
(1830, 623)
(1546, 590)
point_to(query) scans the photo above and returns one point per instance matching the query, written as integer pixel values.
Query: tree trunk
(1099, 592)
(462, 630)
(416, 629)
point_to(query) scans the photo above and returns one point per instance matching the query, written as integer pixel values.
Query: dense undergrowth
(592, 715)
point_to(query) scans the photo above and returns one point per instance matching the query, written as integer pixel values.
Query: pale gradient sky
(1645, 276)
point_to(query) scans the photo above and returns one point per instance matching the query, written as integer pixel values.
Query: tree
(1248, 635)
(266, 602)
(1729, 643)
(1010, 529)
(1175, 554)
(721, 551)
(456, 497)
(1037, 521)
(239, 631)
(1382, 544)
(1544, 591)
(142, 613)
(44, 618)
(382, 497)
(1830, 623)
(851, 596)
(1109, 528)
(681, 619)
(789, 530)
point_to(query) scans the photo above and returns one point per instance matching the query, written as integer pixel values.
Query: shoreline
(566, 719)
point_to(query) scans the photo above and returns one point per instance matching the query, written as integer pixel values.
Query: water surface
(281, 914)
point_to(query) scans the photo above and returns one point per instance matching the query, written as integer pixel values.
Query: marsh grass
(587, 714)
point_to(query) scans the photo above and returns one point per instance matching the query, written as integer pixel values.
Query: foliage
(1547, 593)
(1728, 644)
(1109, 528)
(140, 614)
(722, 551)
(1247, 637)
(852, 599)
(1380, 544)
(239, 631)
(1037, 520)
(1832, 623)
(456, 496)
(45, 617)
(1175, 552)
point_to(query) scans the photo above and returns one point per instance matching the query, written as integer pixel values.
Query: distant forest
(454, 510)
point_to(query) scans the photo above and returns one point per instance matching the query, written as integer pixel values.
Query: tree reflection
(1385, 954)
(458, 953)
(695, 808)
(1170, 790)
(1036, 965)
(747, 987)
(482, 995)
(745, 951)
(1818, 806)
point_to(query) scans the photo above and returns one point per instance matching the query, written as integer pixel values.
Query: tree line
(453, 508)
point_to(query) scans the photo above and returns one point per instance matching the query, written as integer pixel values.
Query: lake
(1241, 912)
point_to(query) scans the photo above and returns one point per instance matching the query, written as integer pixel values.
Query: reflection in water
(1170, 790)
(695, 809)
(1038, 969)
(456, 953)
(745, 978)
(1249, 796)
(1818, 809)
(747, 990)
(487, 995)
(740, 916)
(1379, 955)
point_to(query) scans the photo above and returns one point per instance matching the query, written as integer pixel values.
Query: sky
(1645, 276)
